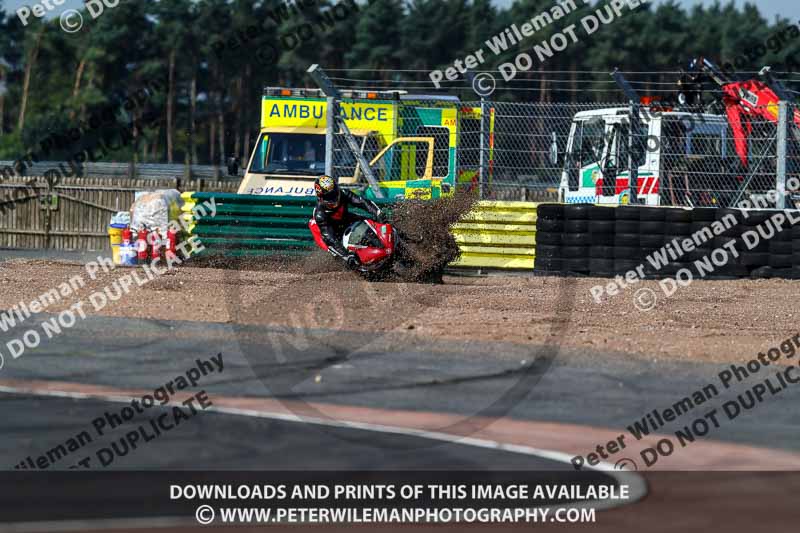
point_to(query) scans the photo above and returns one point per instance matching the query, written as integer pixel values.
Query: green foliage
(218, 48)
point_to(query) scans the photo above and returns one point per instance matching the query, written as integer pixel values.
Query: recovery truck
(417, 146)
(677, 148)
(679, 145)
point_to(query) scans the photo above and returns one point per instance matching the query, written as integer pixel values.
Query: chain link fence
(518, 151)
(521, 147)
(793, 155)
(710, 160)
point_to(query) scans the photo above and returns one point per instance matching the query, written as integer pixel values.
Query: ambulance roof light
(353, 94)
(350, 94)
(282, 91)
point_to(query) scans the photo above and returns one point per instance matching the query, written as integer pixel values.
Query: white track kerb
(635, 483)
(98, 300)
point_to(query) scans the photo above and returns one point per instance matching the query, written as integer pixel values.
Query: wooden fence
(75, 213)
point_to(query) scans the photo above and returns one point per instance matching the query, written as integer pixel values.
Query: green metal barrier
(249, 225)
(495, 235)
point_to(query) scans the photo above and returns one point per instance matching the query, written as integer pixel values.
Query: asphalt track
(461, 380)
(389, 404)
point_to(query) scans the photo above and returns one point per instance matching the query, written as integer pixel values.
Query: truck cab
(682, 158)
(410, 141)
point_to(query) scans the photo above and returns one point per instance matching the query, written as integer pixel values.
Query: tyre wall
(725, 243)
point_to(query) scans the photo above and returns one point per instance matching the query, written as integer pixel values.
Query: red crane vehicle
(708, 143)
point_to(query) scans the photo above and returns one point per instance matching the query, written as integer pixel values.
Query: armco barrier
(498, 235)
(248, 225)
(607, 241)
(494, 235)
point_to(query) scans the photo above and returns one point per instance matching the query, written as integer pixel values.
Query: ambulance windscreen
(290, 153)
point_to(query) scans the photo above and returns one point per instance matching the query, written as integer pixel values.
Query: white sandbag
(156, 209)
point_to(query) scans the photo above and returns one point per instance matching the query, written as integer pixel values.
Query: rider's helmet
(328, 191)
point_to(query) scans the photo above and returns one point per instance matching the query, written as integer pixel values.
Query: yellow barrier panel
(498, 235)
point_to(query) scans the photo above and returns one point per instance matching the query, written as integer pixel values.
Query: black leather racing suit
(332, 223)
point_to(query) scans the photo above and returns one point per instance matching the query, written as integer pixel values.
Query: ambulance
(417, 146)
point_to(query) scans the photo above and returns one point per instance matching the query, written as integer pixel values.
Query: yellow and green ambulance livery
(412, 143)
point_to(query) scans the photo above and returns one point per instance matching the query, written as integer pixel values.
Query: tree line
(214, 57)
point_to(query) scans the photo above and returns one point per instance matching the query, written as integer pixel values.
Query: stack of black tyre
(795, 239)
(628, 253)
(730, 239)
(549, 232)
(601, 242)
(781, 253)
(755, 259)
(702, 219)
(773, 256)
(605, 241)
(576, 238)
(677, 228)
(652, 224)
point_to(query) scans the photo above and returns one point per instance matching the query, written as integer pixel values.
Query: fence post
(329, 133)
(633, 161)
(482, 171)
(324, 83)
(783, 126)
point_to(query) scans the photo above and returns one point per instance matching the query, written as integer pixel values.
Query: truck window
(619, 153)
(591, 141)
(441, 149)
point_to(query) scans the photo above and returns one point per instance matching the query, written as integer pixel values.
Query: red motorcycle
(377, 246)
